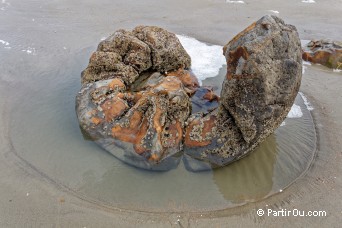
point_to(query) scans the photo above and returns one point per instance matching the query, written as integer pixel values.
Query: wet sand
(44, 34)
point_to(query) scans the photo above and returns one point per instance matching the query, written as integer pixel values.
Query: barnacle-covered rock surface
(141, 102)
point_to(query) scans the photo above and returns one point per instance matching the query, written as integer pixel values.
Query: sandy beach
(41, 38)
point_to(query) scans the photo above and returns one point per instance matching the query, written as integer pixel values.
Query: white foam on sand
(303, 69)
(241, 2)
(4, 42)
(304, 42)
(308, 1)
(337, 70)
(306, 102)
(274, 11)
(206, 60)
(295, 112)
(7, 4)
(30, 51)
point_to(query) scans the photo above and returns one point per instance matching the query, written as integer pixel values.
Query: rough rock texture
(140, 102)
(151, 120)
(126, 54)
(263, 77)
(325, 52)
(167, 52)
(127, 100)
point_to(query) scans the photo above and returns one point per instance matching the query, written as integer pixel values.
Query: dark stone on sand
(140, 102)
(325, 52)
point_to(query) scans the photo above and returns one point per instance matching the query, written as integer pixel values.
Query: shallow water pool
(44, 132)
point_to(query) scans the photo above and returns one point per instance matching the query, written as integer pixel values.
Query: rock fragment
(263, 77)
(325, 52)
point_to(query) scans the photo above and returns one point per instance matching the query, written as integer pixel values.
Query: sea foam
(4, 42)
(295, 112)
(206, 60)
(306, 102)
(308, 1)
(274, 11)
(241, 2)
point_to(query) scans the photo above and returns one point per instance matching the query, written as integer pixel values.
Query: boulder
(264, 69)
(325, 52)
(125, 103)
(142, 103)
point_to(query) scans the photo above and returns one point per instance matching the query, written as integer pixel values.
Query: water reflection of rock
(250, 178)
(275, 164)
